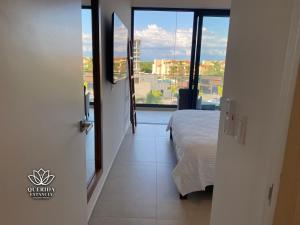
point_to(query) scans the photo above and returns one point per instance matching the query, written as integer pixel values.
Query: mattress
(195, 136)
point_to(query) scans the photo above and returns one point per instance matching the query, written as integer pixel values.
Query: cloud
(178, 42)
(87, 48)
(87, 38)
(157, 37)
(87, 44)
(120, 40)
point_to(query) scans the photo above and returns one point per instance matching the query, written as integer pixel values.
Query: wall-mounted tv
(120, 49)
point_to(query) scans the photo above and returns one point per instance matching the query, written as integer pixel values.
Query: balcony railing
(163, 89)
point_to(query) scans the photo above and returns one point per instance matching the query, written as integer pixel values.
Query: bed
(195, 135)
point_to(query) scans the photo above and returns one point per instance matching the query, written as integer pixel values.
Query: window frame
(195, 49)
(94, 7)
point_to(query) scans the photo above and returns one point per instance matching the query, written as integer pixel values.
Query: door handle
(85, 126)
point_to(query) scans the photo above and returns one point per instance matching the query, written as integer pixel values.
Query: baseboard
(93, 200)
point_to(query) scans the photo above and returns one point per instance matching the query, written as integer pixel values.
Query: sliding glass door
(162, 55)
(179, 49)
(210, 59)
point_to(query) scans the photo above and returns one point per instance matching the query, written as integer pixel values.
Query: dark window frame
(94, 7)
(201, 13)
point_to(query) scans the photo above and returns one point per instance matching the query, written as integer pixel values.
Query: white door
(41, 106)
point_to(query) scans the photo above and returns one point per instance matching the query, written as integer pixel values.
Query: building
(182, 67)
(170, 67)
(209, 67)
(136, 56)
(210, 85)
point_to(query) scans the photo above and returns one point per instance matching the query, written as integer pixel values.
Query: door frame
(196, 38)
(97, 85)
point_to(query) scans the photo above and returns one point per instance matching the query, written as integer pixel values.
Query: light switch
(229, 107)
(241, 129)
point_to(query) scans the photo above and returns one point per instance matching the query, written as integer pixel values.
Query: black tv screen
(120, 47)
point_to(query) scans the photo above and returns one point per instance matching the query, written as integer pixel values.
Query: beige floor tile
(129, 182)
(171, 222)
(121, 221)
(141, 150)
(133, 170)
(160, 131)
(154, 117)
(166, 188)
(145, 130)
(169, 206)
(132, 208)
(140, 190)
(164, 151)
(171, 210)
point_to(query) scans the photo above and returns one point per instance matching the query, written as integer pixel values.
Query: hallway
(139, 189)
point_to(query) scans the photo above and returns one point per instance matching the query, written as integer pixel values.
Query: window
(179, 49)
(212, 58)
(88, 77)
(162, 54)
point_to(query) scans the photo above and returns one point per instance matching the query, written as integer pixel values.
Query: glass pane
(212, 59)
(88, 91)
(162, 53)
(87, 52)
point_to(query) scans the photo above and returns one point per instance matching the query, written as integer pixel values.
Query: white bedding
(195, 136)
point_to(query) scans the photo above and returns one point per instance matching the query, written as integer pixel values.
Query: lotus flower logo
(41, 177)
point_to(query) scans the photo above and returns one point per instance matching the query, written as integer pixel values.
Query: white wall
(209, 4)
(115, 105)
(86, 2)
(41, 106)
(254, 77)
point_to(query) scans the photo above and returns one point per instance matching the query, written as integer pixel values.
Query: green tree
(214, 70)
(87, 64)
(140, 100)
(146, 67)
(174, 89)
(217, 70)
(220, 90)
(154, 97)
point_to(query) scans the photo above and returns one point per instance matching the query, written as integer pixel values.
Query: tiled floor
(140, 190)
(90, 149)
(154, 117)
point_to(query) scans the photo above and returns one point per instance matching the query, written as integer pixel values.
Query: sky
(86, 32)
(120, 38)
(168, 35)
